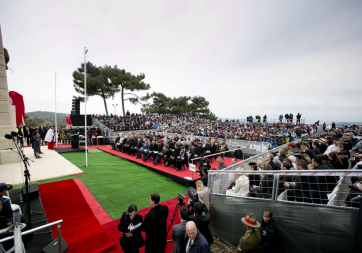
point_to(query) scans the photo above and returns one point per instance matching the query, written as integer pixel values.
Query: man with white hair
(294, 160)
(195, 242)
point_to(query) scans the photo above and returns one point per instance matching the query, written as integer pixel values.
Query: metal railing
(17, 237)
(336, 188)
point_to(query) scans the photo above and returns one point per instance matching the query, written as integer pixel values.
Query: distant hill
(47, 118)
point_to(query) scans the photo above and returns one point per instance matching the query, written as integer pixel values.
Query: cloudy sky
(244, 57)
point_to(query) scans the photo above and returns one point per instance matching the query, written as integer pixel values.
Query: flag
(17, 100)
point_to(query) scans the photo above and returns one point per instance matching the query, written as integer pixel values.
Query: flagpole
(56, 125)
(85, 107)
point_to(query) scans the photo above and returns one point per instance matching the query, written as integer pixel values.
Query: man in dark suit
(202, 222)
(178, 231)
(194, 241)
(269, 159)
(155, 226)
(42, 132)
(181, 159)
(105, 136)
(308, 189)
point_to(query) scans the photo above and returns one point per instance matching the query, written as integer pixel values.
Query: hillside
(47, 118)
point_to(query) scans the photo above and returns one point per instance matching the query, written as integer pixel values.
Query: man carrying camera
(202, 222)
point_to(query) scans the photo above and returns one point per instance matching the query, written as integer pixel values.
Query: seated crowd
(175, 151)
(276, 133)
(329, 150)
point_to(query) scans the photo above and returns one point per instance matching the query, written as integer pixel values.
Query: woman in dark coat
(265, 189)
(36, 144)
(131, 240)
(335, 160)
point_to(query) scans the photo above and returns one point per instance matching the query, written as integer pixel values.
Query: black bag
(194, 197)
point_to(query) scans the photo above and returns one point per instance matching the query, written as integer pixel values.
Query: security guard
(252, 238)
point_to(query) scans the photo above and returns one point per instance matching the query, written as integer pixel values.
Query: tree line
(106, 81)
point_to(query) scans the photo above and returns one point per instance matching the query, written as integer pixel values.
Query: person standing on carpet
(155, 226)
(50, 137)
(36, 144)
(132, 239)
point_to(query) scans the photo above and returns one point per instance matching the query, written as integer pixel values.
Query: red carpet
(114, 234)
(68, 146)
(80, 228)
(159, 166)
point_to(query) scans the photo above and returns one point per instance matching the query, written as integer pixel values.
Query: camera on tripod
(181, 198)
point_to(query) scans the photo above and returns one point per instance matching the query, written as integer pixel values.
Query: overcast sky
(244, 57)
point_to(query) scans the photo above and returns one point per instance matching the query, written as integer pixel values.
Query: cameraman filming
(202, 222)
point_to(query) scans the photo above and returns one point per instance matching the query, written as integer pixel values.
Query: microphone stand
(27, 179)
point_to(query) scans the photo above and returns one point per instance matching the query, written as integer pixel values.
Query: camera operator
(202, 222)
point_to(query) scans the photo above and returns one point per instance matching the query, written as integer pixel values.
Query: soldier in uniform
(224, 146)
(252, 238)
(217, 144)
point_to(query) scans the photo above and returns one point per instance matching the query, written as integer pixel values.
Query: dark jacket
(136, 241)
(178, 234)
(266, 188)
(200, 244)
(155, 227)
(205, 179)
(273, 165)
(329, 181)
(202, 223)
(268, 237)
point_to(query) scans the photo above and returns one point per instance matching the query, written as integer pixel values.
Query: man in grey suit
(221, 164)
(178, 231)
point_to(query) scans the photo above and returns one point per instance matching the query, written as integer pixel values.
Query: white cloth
(241, 187)
(49, 137)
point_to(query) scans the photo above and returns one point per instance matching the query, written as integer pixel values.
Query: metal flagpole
(85, 107)
(56, 125)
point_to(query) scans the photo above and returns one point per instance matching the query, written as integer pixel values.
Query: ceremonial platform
(183, 177)
(51, 165)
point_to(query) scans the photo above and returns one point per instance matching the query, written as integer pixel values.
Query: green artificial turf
(117, 183)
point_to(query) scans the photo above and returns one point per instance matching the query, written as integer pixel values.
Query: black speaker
(75, 106)
(75, 140)
(53, 247)
(33, 191)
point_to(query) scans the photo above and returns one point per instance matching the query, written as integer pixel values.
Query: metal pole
(60, 239)
(56, 125)
(85, 106)
(18, 242)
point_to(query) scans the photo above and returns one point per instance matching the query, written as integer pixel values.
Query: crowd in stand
(276, 133)
(329, 150)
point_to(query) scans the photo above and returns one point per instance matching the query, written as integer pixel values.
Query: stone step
(4, 106)
(4, 95)
(6, 143)
(5, 129)
(3, 83)
(8, 156)
(5, 118)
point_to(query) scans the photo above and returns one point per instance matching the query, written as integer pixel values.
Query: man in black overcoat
(155, 226)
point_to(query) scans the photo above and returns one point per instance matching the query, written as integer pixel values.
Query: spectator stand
(245, 163)
(299, 219)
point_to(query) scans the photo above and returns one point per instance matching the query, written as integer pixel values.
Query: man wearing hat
(6, 210)
(252, 238)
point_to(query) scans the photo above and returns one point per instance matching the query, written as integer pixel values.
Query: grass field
(116, 183)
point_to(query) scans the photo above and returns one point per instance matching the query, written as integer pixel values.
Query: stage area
(51, 165)
(182, 177)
